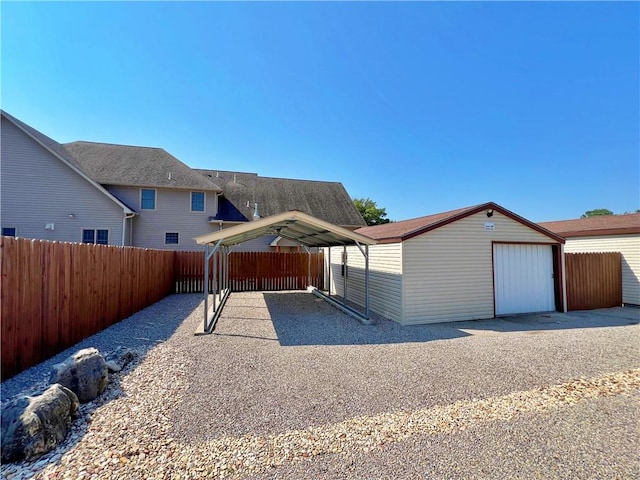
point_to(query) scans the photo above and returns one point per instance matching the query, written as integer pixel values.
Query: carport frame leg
(206, 326)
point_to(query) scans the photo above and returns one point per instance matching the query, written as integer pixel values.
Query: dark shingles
(599, 225)
(111, 164)
(327, 201)
(405, 227)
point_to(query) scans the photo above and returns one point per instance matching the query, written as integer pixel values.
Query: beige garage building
(472, 263)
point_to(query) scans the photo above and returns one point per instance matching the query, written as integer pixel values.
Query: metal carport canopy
(294, 225)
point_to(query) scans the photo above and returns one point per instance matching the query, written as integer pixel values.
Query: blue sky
(422, 106)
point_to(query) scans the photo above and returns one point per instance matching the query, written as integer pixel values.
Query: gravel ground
(535, 445)
(287, 380)
(140, 332)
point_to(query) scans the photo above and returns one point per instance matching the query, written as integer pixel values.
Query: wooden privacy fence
(594, 280)
(55, 294)
(252, 271)
(256, 271)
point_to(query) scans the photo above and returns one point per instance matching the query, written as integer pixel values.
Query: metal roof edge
(293, 215)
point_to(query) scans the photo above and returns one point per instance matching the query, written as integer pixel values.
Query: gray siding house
(45, 194)
(141, 196)
(172, 201)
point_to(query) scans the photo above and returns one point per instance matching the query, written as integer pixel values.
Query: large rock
(119, 358)
(31, 426)
(84, 373)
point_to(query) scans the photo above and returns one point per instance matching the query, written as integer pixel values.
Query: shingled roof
(111, 164)
(328, 201)
(599, 225)
(395, 232)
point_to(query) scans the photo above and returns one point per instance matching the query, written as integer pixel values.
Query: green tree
(370, 211)
(597, 212)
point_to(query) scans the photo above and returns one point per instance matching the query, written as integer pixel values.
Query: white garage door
(523, 278)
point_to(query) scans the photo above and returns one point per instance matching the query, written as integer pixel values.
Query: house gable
(45, 197)
(407, 229)
(59, 152)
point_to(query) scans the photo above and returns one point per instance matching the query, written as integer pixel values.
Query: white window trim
(191, 201)
(155, 203)
(165, 238)
(216, 204)
(95, 235)
(15, 228)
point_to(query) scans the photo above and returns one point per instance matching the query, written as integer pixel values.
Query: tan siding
(628, 246)
(448, 273)
(38, 188)
(385, 278)
(172, 214)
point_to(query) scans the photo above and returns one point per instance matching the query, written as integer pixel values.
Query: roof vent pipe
(256, 215)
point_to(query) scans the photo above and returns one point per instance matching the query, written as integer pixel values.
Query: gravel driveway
(289, 387)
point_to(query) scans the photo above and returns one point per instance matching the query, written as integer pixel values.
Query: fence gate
(594, 280)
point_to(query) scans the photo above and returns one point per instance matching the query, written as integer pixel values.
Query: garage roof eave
(294, 225)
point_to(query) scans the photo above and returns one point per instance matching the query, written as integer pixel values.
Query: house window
(197, 201)
(102, 237)
(9, 231)
(147, 199)
(171, 238)
(97, 236)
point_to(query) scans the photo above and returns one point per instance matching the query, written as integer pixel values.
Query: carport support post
(206, 278)
(220, 265)
(366, 280)
(225, 268)
(365, 253)
(215, 283)
(207, 256)
(329, 271)
(308, 265)
(344, 271)
(319, 268)
(206, 285)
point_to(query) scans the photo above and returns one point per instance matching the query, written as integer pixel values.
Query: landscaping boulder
(119, 358)
(32, 426)
(84, 373)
